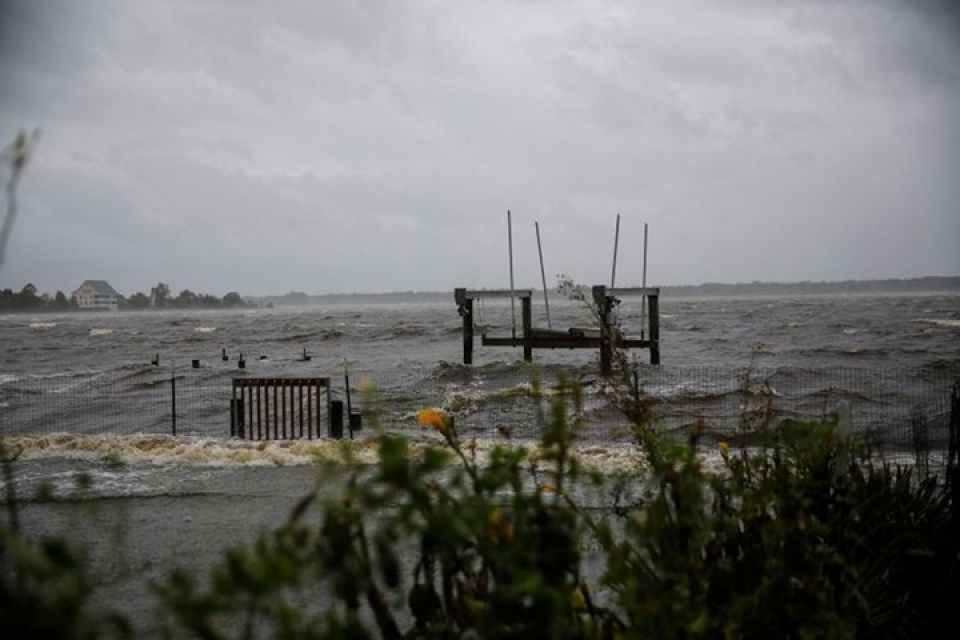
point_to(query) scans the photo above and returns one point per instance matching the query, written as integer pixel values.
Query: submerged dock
(606, 337)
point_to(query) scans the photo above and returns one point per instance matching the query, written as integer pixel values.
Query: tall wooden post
(335, 430)
(653, 304)
(465, 309)
(604, 306)
(527, 313)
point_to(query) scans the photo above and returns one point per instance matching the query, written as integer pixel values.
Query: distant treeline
(29, 300)
(160, 297)
(931, 284)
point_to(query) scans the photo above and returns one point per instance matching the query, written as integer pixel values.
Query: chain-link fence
(901, 413)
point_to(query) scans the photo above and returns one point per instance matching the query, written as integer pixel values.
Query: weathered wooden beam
(565, 342)
(473, 294)
(633, 291)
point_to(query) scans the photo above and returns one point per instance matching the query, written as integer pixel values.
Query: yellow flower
(433, 419)
(724, 448)
(497, 527)
(577, 601)
(366, 385)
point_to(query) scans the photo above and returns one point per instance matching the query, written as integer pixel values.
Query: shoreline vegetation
(30, 300)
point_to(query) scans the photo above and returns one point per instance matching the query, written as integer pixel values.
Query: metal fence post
(173, 402)
(953, 454)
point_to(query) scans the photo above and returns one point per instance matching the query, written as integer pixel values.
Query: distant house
(96, 295)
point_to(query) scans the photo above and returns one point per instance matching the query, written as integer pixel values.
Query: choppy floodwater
(83, 385)
(92, 374)
(79, 396)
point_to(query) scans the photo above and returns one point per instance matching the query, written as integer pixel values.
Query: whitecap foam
(204, 329)
(213, 452)
(457, 399)
(99, 331)
(42, 325)
(942, 322)
(156, 449)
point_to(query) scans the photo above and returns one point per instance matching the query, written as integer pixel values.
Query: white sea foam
(154, 449)
(212, 452)
(42, 325)
(204, 329)
(943, 322)
(65, 374)
(99, 331)
(460, 399)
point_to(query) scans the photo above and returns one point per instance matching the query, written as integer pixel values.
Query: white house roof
(101, 287)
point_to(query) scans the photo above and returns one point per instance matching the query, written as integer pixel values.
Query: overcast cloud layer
(376, 145)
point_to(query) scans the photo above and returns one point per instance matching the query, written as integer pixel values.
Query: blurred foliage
(46, 589)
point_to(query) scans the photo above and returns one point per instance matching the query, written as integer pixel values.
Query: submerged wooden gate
(283, 409)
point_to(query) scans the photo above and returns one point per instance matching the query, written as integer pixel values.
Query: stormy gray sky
(376, 145)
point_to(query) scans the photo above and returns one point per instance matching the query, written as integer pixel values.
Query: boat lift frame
(606, 338)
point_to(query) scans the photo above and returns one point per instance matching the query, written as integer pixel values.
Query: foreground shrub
(426, 546)
(800, 536)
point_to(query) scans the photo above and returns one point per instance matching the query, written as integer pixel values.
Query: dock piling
(653, 310)
(604, 304)
(465, 309)
(527, 319)
(336, 419)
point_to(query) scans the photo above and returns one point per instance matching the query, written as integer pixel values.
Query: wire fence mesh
(903, 414)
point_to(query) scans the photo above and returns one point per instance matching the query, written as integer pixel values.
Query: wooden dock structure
(606, 337)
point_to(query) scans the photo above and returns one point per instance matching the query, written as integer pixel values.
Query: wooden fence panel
(281, 409)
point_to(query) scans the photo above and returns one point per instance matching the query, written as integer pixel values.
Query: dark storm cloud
(377, 145)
